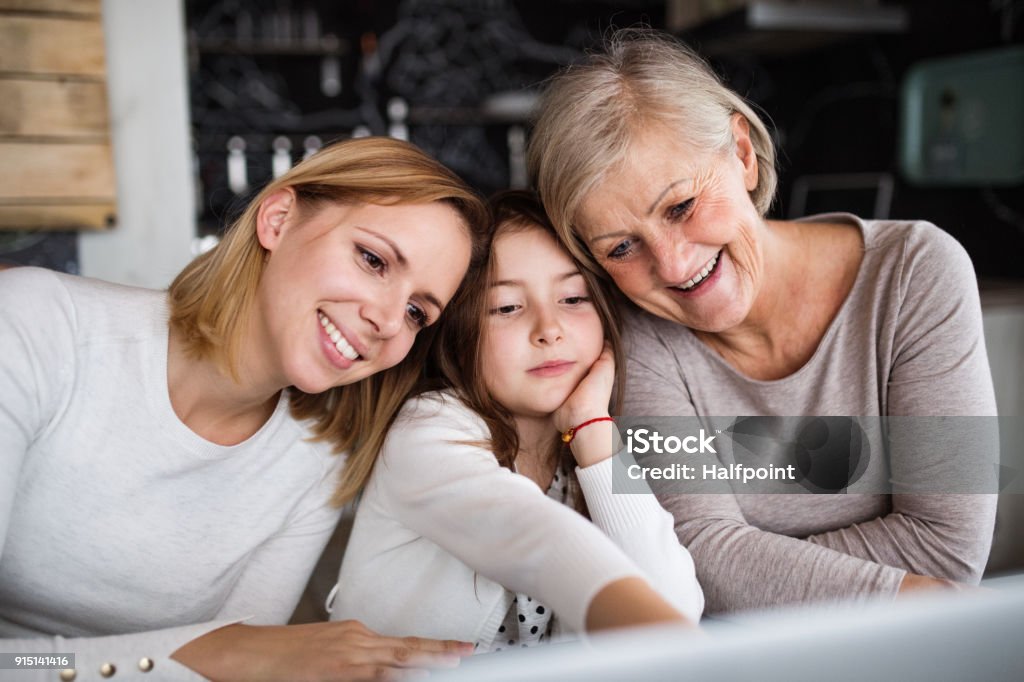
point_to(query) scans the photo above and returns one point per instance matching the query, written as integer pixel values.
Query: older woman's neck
(778, 336)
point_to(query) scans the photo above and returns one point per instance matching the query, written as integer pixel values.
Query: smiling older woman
(658, 175)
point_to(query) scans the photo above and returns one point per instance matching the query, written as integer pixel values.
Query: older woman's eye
(680, 210)
(622, 250)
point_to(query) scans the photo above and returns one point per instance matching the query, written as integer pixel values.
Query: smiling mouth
(340, 342)
(705, 271)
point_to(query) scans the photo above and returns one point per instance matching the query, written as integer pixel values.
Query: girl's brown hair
(463, 329)
(214, 294)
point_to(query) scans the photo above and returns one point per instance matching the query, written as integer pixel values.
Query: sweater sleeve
(739, 565)
(939, 369)
(436, 478)
(124, 652)
(644, 531)
(36, 362)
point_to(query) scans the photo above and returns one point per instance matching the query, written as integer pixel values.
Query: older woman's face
(675, 228)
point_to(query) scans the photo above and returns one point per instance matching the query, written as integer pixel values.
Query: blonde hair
(589, 113)
(214, 294)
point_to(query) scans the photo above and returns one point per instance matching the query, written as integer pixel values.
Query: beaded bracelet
(570, 433)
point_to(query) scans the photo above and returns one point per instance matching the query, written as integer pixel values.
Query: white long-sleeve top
(444, 536)
(123, 534)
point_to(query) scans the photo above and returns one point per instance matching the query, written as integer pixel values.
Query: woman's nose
(386, 314)
(669, 259)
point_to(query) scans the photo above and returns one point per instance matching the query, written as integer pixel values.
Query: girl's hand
(591, 397)
(345, 650)
(588, 401)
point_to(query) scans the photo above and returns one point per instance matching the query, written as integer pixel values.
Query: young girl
(468, 526)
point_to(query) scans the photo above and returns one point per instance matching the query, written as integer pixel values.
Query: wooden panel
(47, 45)
(58, 217)
(69, 6)
(56, 166)
(52, 108)
(55, 171)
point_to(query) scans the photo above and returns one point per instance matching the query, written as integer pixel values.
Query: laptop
(938, 636)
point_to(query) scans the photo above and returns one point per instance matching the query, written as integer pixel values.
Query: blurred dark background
(455, 77)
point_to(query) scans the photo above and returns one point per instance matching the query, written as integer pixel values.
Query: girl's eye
(680, 210)
(505, 309)
(575, 300)
(418, 315)
(373, 261)
(623, 249)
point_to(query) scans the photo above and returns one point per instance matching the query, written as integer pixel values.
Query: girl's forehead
(530, 250)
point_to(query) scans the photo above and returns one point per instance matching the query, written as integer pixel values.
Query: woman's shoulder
(911, 239)
(39, 290)
(920, 251)
(912, 250)
(32, 286)
(646, 335)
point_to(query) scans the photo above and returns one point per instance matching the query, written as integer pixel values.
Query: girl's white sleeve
(438, 479)
(641, 527)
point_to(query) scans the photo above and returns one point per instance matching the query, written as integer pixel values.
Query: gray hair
(589, 112)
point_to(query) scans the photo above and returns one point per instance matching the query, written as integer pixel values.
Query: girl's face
(542, 332)
(346, 288)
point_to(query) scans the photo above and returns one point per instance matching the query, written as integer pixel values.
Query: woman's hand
(345, 650)
(588, 401)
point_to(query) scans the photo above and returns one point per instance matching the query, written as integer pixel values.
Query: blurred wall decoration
(271, 81)
(276, 80)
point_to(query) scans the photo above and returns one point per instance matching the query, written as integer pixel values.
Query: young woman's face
(676, 229)
(346, 288)
(542, 331)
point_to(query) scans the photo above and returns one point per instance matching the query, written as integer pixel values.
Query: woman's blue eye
(418, 315)
(622, 250)
(680, 210)
(375, 262)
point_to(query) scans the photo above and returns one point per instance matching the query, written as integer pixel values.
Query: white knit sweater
(444, 535)
(123, 534)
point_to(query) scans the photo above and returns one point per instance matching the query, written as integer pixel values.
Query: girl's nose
(547, 330)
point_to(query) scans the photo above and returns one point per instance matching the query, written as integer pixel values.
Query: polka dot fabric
(528, 622)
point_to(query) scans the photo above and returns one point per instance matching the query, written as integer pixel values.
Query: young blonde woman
(168, 458)
(470, 526)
